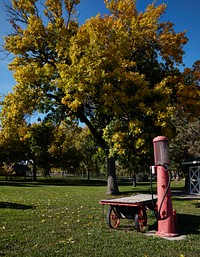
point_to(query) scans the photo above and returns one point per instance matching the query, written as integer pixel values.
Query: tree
(116, 73)
(28, 143)
(88, 149)
(39, 138)
(65, 154)
(185, 144)
(12, 148)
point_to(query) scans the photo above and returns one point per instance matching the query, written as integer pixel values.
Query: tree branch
(83, 118)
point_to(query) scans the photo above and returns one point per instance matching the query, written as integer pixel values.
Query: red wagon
(131, 207)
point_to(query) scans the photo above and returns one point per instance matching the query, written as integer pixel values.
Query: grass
(62, 218)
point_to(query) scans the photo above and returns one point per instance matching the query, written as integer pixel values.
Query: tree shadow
(197, 205)
(8, 205)
(18, 183)
(184, 196)
(53, 182)
(69, 182)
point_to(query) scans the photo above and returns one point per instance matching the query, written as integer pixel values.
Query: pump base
(172, 237)
(165, 234)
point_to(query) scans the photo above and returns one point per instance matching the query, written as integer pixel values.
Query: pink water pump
(166, 214)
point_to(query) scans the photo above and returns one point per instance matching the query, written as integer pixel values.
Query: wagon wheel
(140, 220)
(112, 218)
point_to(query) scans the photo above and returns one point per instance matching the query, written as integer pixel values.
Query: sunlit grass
(54, 219)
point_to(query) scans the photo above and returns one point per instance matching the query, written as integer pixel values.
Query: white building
(193, 167)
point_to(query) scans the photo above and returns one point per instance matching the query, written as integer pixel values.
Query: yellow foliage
(139, 143)
(27, 6)
(99, 67)
(54, 6)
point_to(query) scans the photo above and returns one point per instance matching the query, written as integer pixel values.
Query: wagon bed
(133, 200)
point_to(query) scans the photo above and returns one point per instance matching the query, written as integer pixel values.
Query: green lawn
(57, 218)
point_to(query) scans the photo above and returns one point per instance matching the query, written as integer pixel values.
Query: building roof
(195, 160)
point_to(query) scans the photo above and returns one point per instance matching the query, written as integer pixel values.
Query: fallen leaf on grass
(70, 241)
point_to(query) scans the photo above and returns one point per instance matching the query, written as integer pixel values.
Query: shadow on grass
(68, 182)
(197, 205)
(53, 182)
(8, 205)
(184, 196)
(188, 224)
(18, 184)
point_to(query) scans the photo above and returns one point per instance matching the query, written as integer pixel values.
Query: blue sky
(183, 13)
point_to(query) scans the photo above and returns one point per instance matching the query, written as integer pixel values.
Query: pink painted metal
(166, 222)
(161, 150)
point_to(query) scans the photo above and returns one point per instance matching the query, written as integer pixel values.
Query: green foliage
(185, 144)
(88, 148)
(40, 137)
(63, 149)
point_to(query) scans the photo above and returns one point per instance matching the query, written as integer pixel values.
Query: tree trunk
(112, 187)
(134, 179)
(34, 172)
(88, 174)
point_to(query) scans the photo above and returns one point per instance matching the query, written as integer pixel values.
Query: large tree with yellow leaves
(116, 73)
